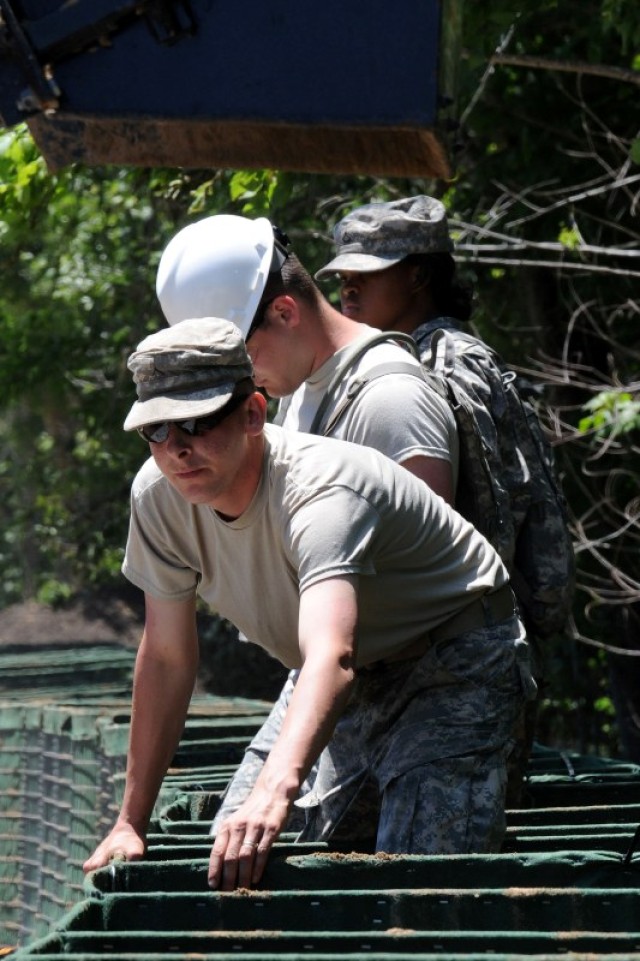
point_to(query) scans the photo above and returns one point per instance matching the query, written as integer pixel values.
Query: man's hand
(242, 845)
(327, 627)
(123, 843)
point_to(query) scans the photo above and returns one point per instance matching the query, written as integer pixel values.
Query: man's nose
(178, 442)
(350, 282)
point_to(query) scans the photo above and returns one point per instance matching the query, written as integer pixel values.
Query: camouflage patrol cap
(188, 370)
(380, 235)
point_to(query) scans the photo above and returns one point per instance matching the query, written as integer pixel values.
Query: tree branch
(474, 255)
(568, 66)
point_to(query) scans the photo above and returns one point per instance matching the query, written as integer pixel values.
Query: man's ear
(256, 408)
(287, 310)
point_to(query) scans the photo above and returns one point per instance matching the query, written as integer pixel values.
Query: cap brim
(358, 263)
(177, 407)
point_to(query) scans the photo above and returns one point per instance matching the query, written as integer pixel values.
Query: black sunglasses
(193, 426)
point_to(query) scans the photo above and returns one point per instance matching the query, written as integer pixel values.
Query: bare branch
(504, 43)
(567, 66)
(518, 243)
(564, 265)
(575, 635)
(582, 195)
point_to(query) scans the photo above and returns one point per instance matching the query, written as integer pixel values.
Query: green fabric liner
(324, 870)
(544, 910)
(365, 944)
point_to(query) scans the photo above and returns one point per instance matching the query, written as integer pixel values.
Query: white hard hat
(216, 267)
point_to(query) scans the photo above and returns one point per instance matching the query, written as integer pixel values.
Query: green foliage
(79, 252)
(621, 17)
(576, 710)
(254, 190)
(611, 413)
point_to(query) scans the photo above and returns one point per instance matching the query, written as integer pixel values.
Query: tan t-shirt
(398, 414)
(323, 508)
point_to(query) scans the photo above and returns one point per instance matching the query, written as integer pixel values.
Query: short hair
(293, 279)
(451, 297)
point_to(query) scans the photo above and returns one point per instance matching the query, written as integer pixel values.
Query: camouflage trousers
(418, 759)
(241, 785)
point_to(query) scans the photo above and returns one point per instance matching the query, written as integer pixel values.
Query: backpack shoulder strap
(351, 358)
(281, 412)
(442, 360)
(390, 367)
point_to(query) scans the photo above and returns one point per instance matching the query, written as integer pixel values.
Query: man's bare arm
(327, 631)
(436, 474)
(164, 677)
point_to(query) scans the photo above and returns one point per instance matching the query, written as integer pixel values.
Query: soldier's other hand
(123, 843)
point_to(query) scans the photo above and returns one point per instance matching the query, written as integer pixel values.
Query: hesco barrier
(566, 885)
(64, 725)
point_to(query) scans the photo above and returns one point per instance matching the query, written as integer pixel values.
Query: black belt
(488, 609)
(494, 607)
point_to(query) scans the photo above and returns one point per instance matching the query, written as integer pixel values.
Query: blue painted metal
(307, 67)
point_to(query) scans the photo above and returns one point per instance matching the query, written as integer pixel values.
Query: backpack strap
(391, 367)
(442, 362)
(283, 407)
(348, 362)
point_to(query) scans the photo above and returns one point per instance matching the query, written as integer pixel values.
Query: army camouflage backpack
(508, 486)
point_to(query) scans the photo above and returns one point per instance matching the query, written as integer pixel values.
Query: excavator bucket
(329, 87)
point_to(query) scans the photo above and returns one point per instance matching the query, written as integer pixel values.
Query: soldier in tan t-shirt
(397, 612)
